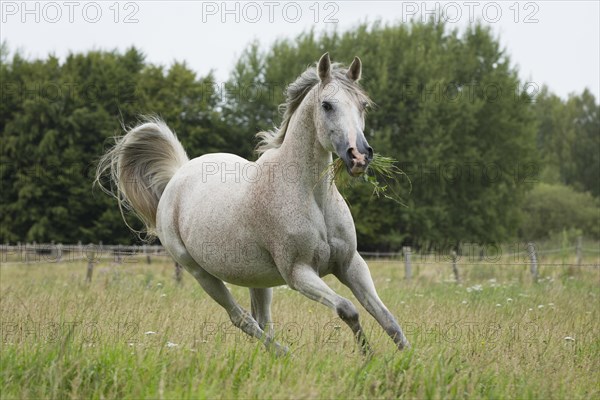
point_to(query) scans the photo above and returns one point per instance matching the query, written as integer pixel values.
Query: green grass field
(134, 333)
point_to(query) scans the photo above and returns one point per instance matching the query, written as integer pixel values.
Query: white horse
(279, 220)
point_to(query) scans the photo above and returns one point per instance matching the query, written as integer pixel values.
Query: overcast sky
(552, 42)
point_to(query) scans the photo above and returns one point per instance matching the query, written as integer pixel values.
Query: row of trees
(449, 106)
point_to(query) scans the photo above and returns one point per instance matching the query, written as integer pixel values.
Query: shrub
(550, 209)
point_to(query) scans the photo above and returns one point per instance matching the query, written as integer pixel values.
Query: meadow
(133, 332)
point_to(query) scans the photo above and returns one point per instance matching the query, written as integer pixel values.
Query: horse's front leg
(357, 277)
(303, 278)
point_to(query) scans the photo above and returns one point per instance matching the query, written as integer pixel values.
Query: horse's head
(340, 115)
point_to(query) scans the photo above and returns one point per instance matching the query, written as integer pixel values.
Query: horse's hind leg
(305, 280)
(217, 290)
(261, 308)
(358, 278)
(241, 318)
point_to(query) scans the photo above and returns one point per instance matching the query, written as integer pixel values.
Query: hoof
(403, 345)
(366, 350)
(278, 350)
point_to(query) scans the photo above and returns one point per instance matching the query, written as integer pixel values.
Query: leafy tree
(56, 119)
(584, 150)
(568, 139)
(247, 100)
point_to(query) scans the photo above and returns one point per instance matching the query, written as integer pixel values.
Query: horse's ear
(324, 68)
(355, 70)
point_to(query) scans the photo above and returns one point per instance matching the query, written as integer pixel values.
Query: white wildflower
(475, 288)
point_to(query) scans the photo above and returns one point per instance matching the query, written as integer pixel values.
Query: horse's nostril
(351, 153)
(370, 156)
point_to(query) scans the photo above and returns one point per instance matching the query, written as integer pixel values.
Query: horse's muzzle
(357, 161)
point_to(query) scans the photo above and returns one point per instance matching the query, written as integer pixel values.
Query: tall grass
(134, 333)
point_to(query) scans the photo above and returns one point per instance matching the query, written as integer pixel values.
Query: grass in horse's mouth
(381, 169)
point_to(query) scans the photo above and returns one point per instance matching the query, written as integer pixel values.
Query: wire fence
(520, 254)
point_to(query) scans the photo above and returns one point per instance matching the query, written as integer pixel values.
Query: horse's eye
(327, 106)
(365, 105)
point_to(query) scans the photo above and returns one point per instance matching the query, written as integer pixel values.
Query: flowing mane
(295, 94)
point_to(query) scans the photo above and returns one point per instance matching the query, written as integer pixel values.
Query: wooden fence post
(533, 260)
(178, 273)
(578, 250)
(89, 272)
(148, 259)
(117, 252)
(407, 266)
(90, 265)
(454, 266)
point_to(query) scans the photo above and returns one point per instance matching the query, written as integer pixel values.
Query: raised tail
(139, 166)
